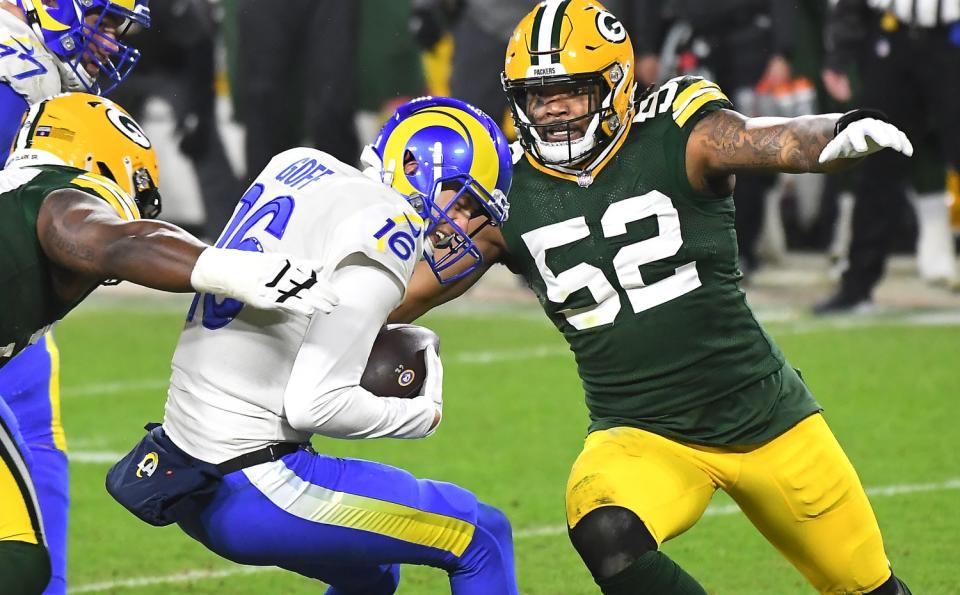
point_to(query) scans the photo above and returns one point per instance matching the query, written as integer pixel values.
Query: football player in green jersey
(80, 176)
(622, 223)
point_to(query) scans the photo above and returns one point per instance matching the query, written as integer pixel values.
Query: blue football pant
(24, 562)
(351, 523)
(29, 384)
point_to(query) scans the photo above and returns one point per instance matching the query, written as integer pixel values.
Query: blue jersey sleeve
(12, 108)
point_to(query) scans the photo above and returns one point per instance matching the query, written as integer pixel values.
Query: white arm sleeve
(323, 395)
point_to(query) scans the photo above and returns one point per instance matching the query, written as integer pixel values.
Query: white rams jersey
(26, 65)
(229, 386)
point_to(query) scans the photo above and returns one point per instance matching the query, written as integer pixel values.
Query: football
(396, 366)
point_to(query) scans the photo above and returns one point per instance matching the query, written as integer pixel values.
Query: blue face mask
(82, 32)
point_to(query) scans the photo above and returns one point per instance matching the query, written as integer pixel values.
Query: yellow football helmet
(578, 47)
(94, 134)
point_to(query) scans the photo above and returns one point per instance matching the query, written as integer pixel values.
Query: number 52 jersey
(639, 272)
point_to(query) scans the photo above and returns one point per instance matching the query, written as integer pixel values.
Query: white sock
(936, 258)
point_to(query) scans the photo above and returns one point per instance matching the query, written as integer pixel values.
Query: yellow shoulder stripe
(697, 101)
(110, 192)
(685, 95)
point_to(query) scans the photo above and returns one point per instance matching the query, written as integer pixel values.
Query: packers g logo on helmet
(432, 144)
(74, 31)
(574, 47)
(94, 134)
(611, 28)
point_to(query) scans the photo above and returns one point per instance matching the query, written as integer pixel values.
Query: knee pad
(611, 538)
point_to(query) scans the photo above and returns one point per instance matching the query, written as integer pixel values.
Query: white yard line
(559, 349)
(94, 456)
(465, 357)
(182, 577)
(785, 328)
(547, 530)
(108, 388)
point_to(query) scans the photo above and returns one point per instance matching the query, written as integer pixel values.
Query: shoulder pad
(385, 229)
(682, 97)
(13, 178)
(108, 190)
(25, 64)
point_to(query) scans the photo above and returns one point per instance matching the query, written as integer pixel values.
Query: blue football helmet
(74, 30)
(432, 144)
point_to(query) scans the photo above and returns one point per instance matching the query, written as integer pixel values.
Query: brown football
(396, 366)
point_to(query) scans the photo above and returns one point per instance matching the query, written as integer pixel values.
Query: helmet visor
(458, 210)
(104, 60)
(557, 117)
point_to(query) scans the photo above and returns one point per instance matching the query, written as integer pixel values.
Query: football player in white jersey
(249, 388)
(76, 202)
(46, 47)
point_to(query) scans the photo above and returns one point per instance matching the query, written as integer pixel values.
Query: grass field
(514, 421)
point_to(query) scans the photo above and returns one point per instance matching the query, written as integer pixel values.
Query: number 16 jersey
(232, 363)
(639, 272)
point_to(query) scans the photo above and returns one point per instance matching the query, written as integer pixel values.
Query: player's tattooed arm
(726, 142)
(88, 242)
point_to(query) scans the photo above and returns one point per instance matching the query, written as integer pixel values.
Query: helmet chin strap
(33, 19)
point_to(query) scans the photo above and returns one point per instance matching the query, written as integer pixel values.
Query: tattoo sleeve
(726, 142)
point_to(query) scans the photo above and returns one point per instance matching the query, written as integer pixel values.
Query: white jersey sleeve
(389, 233)
(26, 66)
(243, 378)
(323, 395)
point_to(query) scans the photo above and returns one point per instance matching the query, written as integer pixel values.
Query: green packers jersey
(28, 302)
(639, 271)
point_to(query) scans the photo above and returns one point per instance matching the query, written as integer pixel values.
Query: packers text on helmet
(574, 48)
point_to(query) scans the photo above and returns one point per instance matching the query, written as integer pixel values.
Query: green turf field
(514, 420)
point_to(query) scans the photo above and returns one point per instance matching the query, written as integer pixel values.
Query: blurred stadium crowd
(232, 82)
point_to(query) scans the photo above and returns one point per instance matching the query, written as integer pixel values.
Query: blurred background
(225, 84)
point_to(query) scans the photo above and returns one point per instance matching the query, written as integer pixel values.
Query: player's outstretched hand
(865, 137)
(265, 280)
(433, 382)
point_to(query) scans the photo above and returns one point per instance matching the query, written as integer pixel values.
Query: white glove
(432, 389)
(264, 280)
(865, 137)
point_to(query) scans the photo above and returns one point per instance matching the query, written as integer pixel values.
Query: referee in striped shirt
(907, 54)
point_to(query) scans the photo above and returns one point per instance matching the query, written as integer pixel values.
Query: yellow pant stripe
(19, 512)
(322, 505)
(56, 426)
